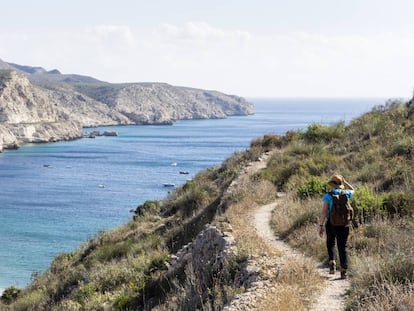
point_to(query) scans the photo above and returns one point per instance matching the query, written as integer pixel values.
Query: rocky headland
(44, 106)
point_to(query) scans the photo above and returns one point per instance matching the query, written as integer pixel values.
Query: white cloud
(112, 34)
(234, 61)
(200, 31)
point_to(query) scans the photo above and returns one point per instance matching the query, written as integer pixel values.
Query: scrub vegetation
(376, 153)
(128, 267)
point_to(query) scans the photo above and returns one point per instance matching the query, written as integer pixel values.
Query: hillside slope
(198, 249)
(86, 102)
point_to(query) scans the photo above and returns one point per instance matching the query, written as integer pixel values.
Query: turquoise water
(55, 196)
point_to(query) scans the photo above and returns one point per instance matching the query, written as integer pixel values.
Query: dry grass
(380, 254)
(282, 298)
(250, 188)
(391, 297)
(296, 281)
(301, 273)
(297, 223)
(382, 265)
(240, 218)
(239, 214)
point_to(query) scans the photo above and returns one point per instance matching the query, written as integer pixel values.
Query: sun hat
(336, 181)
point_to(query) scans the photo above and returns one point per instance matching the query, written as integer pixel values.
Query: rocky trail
(332, 294)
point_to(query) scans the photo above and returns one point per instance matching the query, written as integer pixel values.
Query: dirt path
(332, 295)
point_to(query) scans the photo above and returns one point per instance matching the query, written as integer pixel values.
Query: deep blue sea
(55, 196)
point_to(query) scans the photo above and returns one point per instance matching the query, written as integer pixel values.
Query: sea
(55, 196)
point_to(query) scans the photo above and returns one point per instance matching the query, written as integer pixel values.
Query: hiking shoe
(343, 274)
(332, 266)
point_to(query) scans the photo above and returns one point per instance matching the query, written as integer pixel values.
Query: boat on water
(184, 172)
(167, 184)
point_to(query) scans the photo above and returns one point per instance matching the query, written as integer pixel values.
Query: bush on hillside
(384, 261)
(366, 205)
(270, 141)
(148, 208)
(399, 204)
(10, 294)
(312, 187)
(317, 133)
(403, 147)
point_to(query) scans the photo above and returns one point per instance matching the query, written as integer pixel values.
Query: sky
(250, 48)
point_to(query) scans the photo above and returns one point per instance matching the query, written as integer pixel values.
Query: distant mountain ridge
(37, 105)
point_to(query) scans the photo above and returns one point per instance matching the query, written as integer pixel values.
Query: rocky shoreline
(39, 106)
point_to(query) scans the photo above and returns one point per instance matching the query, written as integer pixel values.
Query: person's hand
(321, 231)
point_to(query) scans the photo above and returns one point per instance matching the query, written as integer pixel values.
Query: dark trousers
(340, 235)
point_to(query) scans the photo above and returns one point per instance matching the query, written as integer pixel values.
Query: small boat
(174, 164)
(167, 184)
(184, 172)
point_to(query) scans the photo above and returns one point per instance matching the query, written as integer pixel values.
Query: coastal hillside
(199, 248)
(30, 114)
(40, 106)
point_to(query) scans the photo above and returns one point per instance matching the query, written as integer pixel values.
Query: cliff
(30, 114)
(40, 106)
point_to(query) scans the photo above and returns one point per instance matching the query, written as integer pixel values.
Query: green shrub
(34, 300)
(300, 149)
(148, 208)
(189, 199)
(123, 301)
(317, 133)
(271, 141)
(400, 204)
(403, 147)
(61, 262)
(10, 294)
(159, 261)
(85, 293)
(311, 188)
(366, 204)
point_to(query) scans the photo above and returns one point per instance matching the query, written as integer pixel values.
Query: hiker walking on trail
(336, 217)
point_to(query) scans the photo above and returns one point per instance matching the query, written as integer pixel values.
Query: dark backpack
(341, 212)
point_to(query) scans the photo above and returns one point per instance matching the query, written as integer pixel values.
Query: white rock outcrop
(41, 106)
(29, 114)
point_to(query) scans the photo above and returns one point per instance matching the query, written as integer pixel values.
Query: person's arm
(347, 184)
(322, 218)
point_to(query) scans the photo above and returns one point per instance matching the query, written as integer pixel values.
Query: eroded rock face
(40, 106)
(21, 102)
(7, 139)
(30, 114)
(147, 103)
(205, 257)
